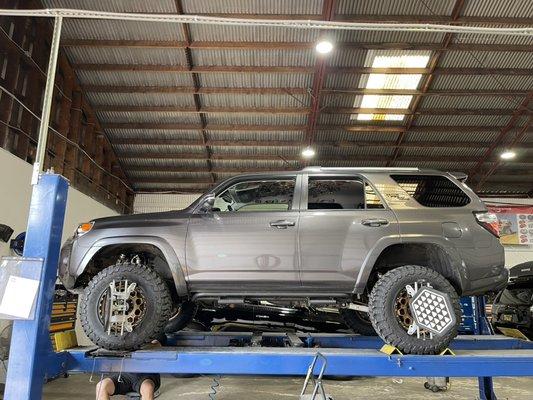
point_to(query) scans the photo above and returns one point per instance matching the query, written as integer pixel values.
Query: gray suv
(364, 241)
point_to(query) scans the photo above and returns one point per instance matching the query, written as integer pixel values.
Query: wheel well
(424, 254)
(150, 255)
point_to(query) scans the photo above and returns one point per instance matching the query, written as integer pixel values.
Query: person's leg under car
(105, 389)
(147, 389)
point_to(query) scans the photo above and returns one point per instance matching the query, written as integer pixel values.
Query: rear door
(341, 219)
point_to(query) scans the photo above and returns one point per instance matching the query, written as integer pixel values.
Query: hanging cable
(3, 89)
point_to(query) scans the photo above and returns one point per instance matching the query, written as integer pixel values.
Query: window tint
(265, 195)
(432, 190)
(335, 194)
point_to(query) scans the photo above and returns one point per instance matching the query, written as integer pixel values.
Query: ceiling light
(324, 47)
(508, 155)
(308, 152)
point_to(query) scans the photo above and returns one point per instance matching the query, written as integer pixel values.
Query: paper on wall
(19, 296)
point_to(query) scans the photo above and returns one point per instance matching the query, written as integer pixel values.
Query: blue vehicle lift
(32, 361)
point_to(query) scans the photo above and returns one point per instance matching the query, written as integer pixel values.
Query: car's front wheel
(391, 309)
(125, 306)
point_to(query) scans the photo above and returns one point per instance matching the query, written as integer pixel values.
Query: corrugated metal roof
(486, 59)
(136, 6)
(120, 30)
(267, 80)
(488, 82)
(246, 100)
(142, 99)
(263, 56)
(152, 134)
(387, 7)
(290, 136)
(471, 102)
(254, 57)
(125, 55)
(253, 6)
(497, 8)
(134, 78)
(148, 117)
(255, 119)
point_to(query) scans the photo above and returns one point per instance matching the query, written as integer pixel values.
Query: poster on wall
(516, 223)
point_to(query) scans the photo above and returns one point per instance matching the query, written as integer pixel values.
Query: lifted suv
(405, 241)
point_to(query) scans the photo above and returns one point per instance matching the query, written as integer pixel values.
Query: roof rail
(318, 168)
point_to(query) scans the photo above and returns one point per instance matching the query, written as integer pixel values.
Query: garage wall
(515, 254)
(15, 193)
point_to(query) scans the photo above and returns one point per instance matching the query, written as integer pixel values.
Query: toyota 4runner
(390, 249)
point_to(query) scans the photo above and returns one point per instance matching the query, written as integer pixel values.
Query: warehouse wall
(515, 254)
(15, 193)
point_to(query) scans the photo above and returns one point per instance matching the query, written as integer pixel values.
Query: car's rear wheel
(391, 314)
(125, 306)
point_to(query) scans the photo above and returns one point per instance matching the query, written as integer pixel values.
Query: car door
(248, 240)
(341, 220)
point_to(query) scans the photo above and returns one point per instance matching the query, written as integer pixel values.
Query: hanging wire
(14, 97)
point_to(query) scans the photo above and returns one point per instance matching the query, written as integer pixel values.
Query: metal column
(31, 358)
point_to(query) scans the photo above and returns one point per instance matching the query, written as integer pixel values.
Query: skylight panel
(391, 59)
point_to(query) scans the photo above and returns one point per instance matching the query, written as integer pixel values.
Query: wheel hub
(121, 307)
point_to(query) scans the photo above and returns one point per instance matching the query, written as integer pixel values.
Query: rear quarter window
(432, 190)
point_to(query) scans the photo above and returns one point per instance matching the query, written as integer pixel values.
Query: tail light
(489, 221)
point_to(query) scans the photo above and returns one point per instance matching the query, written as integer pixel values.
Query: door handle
(375, 222)
(282, 224)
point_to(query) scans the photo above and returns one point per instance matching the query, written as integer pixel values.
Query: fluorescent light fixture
(508, 155)
(308, 152)
(391, 59)
(324, 47)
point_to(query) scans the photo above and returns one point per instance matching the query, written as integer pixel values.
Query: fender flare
(457, 264)
(166, 249)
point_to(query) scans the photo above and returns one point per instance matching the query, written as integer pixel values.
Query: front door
(341, 220)
(247, 242)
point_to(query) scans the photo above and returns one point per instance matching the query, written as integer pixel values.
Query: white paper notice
(19, 296)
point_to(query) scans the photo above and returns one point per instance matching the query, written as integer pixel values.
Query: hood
(139, 220)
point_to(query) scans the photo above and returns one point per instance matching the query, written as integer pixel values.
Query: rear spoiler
(460, 176)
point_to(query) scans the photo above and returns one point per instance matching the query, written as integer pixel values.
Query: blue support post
(31, 352)
(486, 390)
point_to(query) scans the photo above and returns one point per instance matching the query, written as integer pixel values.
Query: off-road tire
(382, 312)
(184, 315)
(158, 307)
(356, 322)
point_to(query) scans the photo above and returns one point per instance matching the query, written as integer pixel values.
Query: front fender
(165, 248)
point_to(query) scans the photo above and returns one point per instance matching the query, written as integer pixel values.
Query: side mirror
(208, 203)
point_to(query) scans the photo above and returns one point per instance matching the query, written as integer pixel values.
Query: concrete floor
(250, 388)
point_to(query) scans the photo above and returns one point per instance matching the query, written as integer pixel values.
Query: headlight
(84, 228)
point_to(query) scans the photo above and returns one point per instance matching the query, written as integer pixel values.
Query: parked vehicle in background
(408, 240)
(513, 306)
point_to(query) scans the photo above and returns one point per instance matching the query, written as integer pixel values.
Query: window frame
(262, 178)
(339, 176)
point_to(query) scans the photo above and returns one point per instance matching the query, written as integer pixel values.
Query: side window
(373, 201)
(260, 195)
(432, 190)
(335, 194)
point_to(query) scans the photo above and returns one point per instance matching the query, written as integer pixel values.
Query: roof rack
(318, 168)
